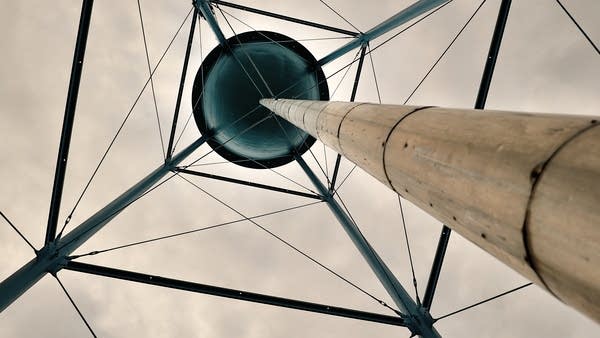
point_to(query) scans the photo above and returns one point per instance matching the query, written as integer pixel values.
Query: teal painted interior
(231, 81)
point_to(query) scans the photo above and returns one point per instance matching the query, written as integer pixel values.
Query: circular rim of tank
(209, 62)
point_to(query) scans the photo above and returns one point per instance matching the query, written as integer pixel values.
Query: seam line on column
(388, 138)
(337, 134)
(317, 117)
(538, 170)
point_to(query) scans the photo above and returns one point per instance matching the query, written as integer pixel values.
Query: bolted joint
(420, 322)
(363, 39)
(59, 265)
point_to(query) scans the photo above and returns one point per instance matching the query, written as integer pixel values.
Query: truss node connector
(54, 255)
(364, 40)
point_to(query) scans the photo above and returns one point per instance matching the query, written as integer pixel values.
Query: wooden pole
(523, 187)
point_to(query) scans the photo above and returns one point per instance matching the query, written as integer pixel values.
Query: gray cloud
(545, 65)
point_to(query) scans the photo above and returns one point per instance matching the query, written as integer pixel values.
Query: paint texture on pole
(524, 187)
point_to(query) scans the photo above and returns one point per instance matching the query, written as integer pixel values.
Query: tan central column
(523, 187)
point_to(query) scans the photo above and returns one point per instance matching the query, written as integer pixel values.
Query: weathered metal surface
(524, 187)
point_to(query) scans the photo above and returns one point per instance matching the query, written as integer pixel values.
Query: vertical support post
(436, 267)
(490, 64)
(69, 116)
(484, 87)
(361, 61)
(419, 322)
(204, 7)
(181, 85)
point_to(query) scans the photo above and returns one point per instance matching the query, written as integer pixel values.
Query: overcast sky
(545, 65)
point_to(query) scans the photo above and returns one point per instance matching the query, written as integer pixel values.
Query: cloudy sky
(545, 65)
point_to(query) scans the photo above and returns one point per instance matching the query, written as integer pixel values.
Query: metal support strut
(232, 293)
(67, 128)
(285, 17)
(52, 256)
(247, 183)
(338, 158)
(418, 321)
(186, 60)
(400, 18)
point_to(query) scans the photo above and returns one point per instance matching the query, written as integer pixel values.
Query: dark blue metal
(207, 13)
(52, 255)
(67, 128)
(232, 293)
(181, 84)
(400, 18)
(284, 17)
(418, 321)
(247, 183)
(490, 64)
(436, 267)
(336, 169)
(231, 81)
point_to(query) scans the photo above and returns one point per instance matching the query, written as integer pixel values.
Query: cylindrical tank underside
(231, 81)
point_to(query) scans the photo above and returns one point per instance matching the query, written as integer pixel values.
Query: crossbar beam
(285, 17)
(232, 293)
(247, 183)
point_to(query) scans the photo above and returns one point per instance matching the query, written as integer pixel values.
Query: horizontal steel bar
(420, 323)
(251, 184)
(336, 169)
(284, 17)
(233, 293)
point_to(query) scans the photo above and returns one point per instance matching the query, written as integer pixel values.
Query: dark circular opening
(229, 85)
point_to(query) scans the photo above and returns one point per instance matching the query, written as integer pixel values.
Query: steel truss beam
(436, 267)
(284, 17)
(51, 256)
(400, 18)
(232, 293)
(181, 84)
(67, 128)
(492, 57)
(419, 322)
(251, 184)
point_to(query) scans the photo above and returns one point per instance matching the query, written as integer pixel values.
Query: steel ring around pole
(231, 81)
